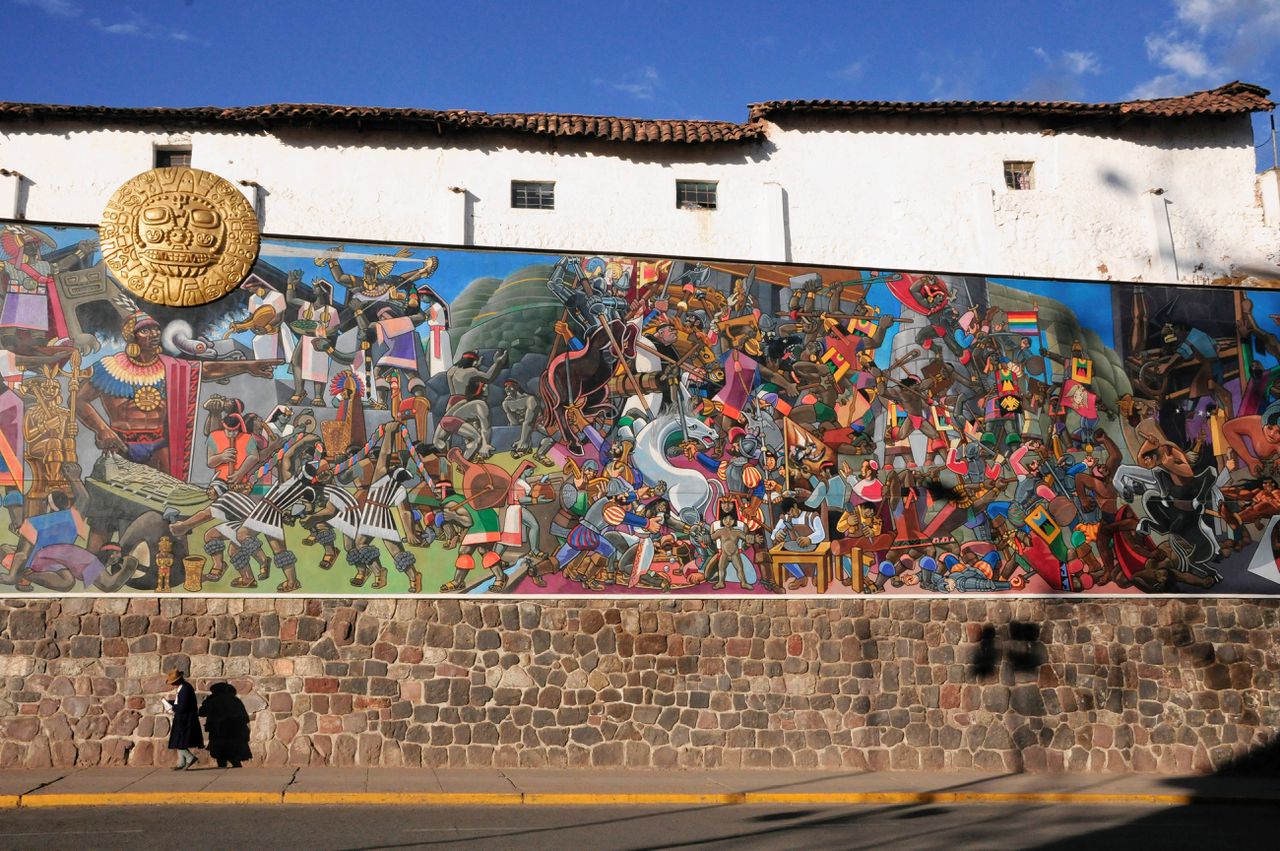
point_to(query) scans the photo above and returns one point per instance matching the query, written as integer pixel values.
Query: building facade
(1152, 192)
(1146, 191)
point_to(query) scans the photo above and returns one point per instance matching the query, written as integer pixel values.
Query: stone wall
(1154, 685)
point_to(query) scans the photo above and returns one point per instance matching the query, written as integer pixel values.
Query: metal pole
(1275, 162)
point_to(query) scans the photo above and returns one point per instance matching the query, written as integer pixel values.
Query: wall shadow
(1237, 802)
(226, 724)
(1020, 647)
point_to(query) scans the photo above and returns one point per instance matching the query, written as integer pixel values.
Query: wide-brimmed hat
(173, 677)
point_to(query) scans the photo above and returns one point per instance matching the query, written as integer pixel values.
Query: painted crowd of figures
(360, 419)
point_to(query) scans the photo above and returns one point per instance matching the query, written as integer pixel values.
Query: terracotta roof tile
(1233, 98)
(606, 128)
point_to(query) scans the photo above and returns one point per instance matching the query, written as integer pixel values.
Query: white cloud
(952, 75)
(131, 28)
(139, 27)
(1206, 15)
(643, 87)
(1061, 76)
(1208, 42)
(1197, 13)
(1160, 86)
(944, 87)
(1080, 62)
(1185, 58)
(133, 25)
(53, 8)
(1074, 62)
(852, 71)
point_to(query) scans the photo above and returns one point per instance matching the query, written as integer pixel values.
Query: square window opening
(696, 195)
(1019, 174)
(533, 194)
(175, 157)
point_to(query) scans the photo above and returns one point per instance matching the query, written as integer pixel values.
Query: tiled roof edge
(1231, 99)
(607, 128)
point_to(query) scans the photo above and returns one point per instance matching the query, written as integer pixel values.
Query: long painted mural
(360, 419)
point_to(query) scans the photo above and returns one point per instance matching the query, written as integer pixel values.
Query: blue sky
(662, 58)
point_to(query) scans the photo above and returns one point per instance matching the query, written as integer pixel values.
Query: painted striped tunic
(377, 519)
(268, 514)
(231, 508)
(347, 520)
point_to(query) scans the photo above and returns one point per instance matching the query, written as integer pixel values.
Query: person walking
(184, 732)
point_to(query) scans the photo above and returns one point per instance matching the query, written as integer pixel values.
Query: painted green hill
(518, 314)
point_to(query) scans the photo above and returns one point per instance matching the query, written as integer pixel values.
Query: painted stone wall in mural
(369, 419)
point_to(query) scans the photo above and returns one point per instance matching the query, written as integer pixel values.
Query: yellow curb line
(176, 798)
(1152, 799)
(106, 799)
(404, 798)
(561, 799)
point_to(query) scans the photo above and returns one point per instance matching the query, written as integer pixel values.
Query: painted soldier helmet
(620, 487)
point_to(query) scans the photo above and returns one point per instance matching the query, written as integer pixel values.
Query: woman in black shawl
(185, 733)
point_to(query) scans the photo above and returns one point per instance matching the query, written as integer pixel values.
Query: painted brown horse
(575, 385)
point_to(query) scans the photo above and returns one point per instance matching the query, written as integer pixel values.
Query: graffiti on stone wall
(370, 419)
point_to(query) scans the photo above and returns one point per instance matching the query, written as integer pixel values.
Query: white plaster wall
(396, 186)
(891, 193)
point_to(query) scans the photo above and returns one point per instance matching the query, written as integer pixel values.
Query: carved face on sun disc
(179, 236)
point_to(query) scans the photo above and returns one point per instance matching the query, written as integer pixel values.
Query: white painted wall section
(892, 192)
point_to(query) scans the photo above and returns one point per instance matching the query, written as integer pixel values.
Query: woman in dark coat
(227, 723)
(184, 734)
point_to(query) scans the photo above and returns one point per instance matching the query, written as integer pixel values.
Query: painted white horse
(685, 488)
(645, 362)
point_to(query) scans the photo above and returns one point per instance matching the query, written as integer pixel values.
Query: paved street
(350, 808)
(915, 826)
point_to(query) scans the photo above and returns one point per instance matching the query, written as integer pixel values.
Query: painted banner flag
(1082, 370)
(740, 379)
(1024, 322)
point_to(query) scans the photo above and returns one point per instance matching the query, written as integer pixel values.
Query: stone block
(85, 647)
(647, 645)
(1026, 700)
(696, 624)
(26, 624)
(22, 728)
(320, 685)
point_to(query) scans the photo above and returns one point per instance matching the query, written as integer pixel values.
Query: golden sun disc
(179, 236)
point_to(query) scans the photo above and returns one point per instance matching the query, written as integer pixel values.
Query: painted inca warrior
(149, 401)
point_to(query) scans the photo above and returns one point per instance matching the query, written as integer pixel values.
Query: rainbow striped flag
(1024, 322)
